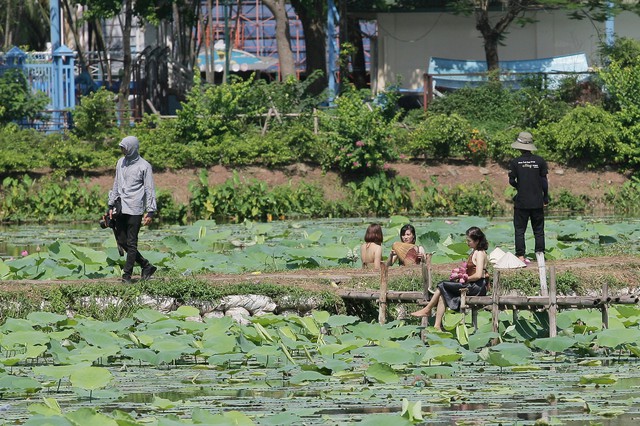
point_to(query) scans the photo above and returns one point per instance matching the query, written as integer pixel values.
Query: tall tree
(283, 37)
(313, 16)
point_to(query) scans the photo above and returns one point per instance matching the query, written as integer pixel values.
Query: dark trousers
(521, 218)
(127, 229)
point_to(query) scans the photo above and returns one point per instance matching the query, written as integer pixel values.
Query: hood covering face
(131, 144)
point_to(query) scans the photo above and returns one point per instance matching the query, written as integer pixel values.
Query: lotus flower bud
(461, 281)
(465, 276)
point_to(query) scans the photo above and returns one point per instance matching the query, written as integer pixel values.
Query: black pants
(127, 229)
(521, 218)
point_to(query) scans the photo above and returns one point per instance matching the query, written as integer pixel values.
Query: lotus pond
(157, 369)
(61, 252)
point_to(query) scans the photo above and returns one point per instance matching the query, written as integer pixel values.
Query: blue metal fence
(50, 73)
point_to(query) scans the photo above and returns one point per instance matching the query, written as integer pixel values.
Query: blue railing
(52, 74)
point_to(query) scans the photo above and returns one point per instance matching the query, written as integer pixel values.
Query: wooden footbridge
(495, 302)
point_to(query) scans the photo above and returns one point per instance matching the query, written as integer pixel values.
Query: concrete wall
(406, 41)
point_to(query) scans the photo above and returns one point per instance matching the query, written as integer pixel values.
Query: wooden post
(382, 308)
(553, 304)
(426, 285)
(495, 299)
(266, 121)
(604, 308)
(426, 277)
(463, 304)
(315, 121)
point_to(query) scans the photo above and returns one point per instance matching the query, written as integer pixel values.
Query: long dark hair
(410, 227)
(478, 236)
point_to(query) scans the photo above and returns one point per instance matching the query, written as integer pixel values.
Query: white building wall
(406, 41)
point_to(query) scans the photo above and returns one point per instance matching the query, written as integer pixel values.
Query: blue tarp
(457, 73)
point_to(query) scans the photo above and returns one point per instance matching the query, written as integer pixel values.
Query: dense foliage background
(589, 123)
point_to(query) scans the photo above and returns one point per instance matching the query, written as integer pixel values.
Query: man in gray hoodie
(134, 186)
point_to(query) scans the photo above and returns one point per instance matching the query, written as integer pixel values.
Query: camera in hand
(106, 222)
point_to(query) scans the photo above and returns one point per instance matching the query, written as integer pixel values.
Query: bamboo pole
(382, 308)
(553, 306)
(604, 307)
(426, 285)
(495, 308)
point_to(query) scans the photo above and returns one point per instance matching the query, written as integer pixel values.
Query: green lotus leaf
(89, 256)
(22, 338)
(46, 318)
(184, 312)
(382, 373)
(40, 420)
(57, 371)
(554, 344)
(307, 376)
(50, 407)
(162, 404)
(177, 245)
(598, 379)
(441, 354)
(90, 378)
(282, 419)
(384, 420)
(149, 315)
(143, 355)
(341, 320)
(88, 416)
(11, 383)
(219, 344)
(16, 324)
(411, 410)
(612, 338)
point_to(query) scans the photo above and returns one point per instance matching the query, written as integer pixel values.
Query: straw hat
(524, 142)
(407, 252)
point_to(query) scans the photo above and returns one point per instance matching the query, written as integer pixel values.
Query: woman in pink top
(477, 278)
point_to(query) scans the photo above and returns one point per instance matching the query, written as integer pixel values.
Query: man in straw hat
(528, 174)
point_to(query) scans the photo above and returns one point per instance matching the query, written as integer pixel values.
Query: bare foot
(424, 312)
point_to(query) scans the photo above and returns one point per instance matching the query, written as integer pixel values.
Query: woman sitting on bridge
(406, 252)
(477, 278)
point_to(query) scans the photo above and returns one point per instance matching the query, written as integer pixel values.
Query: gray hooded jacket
(134, 181)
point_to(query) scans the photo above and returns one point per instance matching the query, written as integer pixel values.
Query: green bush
(566, 201)
(356, 135)
(586, 136)
(95, 118)
(475, 200)
(441, 135)
(490, 107)
(168, 210)
(211, 112)
(622, 83)
(159, 144)
(17, 101)
(66, 153)
(625, 199)
(381, 195)
(50, 199)
(20, 150)
(499, 145)
(238, 199)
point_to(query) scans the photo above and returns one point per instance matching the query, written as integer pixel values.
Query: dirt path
(623, 269)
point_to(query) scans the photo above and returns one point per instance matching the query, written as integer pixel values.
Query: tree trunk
(313, 16)
(123, 95)
(493, 34)
(283, 37)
